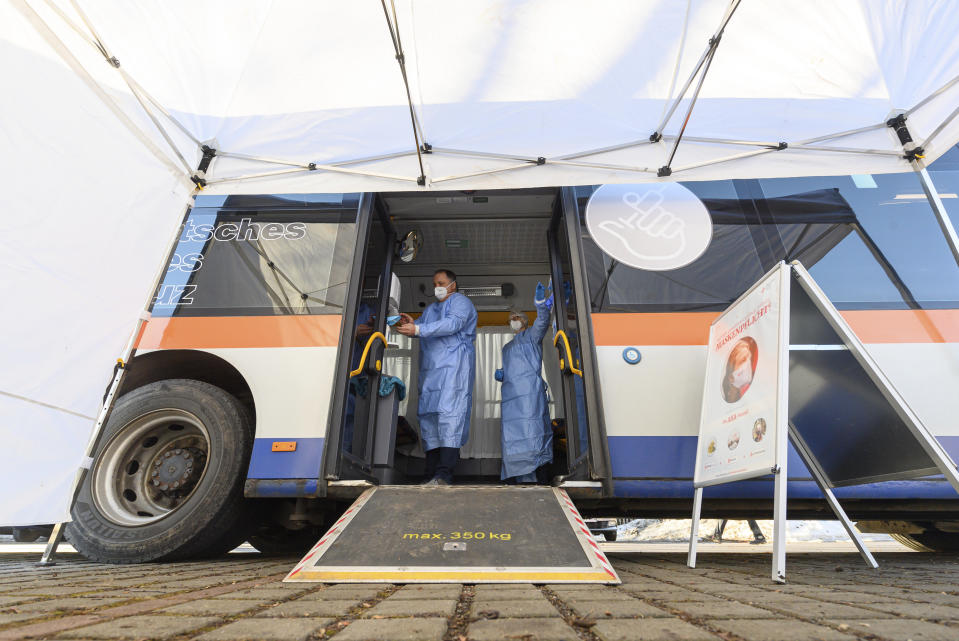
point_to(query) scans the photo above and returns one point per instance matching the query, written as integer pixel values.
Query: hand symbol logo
(649, 218)
(655, 227)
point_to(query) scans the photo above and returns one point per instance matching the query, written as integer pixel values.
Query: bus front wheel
(167, 477)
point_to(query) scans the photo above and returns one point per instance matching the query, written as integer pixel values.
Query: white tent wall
(87, 214)
(525, 88)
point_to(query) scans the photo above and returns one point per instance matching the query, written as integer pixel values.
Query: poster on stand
(738, 426)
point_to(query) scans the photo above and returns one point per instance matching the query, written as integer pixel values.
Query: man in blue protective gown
(527, 437)
(447, 333)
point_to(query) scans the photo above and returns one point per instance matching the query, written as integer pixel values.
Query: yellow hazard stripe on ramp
(458, 576)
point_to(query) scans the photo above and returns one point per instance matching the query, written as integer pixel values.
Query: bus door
(587, 446)
(349, 451)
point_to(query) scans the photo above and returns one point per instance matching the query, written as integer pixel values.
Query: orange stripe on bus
(241, 331)
(692, 328)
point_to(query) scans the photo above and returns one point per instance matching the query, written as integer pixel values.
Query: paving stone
(141, 627)
(66, 604)
(764, 630)
(918, 611)
(616, 609)
(902, 629)
(412, 607)
(521, 608)
(442, 591)
(266, 629)
(345, 592)
(200, 583)
(394, 630)
(553, 629)
(721, 610)
(650, 630)
(265, 594)
(865, 598)
(506, 592)
(62, 590)
(824, 610)
(941, 599)
(309, 608)
(14, 617)
(129, 593)
(670, 595)
(595, 595)
(562, 588)
(10, 600)
(215, 607)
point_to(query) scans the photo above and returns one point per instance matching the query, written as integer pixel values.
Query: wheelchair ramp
(459, 534)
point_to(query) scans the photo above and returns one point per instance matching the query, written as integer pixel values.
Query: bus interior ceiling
(495, 242)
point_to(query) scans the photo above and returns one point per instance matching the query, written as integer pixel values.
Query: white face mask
(440, 293)
(742, 375)
(516, 325)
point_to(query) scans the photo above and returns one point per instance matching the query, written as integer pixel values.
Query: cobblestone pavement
(729, 596)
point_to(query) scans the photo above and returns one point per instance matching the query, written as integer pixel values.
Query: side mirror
(409, 247)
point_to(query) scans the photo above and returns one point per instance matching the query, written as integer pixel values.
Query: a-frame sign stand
(783, 366)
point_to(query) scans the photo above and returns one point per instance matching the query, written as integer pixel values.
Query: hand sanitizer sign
(655, 226)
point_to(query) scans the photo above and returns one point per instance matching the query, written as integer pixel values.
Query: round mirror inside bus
(409, 247)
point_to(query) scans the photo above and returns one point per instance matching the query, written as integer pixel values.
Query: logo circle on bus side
(655, 226)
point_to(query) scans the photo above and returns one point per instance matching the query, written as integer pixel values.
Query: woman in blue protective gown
(447, 333)
(527, 437)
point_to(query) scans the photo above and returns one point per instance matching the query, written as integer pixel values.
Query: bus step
(458, 534)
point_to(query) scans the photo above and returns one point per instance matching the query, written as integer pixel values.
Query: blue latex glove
(540, 294)
(549, 302)
(392, 320)
(498, 375)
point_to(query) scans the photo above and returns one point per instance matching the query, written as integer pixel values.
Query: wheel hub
(176, 468)
(150, 467)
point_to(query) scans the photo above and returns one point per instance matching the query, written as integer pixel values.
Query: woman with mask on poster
(740, 367)
(527, 437)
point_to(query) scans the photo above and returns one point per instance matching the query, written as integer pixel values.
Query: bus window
(266, 260)
(871, 242)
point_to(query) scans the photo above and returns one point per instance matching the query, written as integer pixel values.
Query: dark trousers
(441, 461)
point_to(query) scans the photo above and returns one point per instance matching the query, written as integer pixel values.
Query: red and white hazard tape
(600, 557)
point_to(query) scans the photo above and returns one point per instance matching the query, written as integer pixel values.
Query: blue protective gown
(527, 435)
(447, 333)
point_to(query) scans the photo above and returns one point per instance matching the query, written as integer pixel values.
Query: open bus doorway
(500, 244)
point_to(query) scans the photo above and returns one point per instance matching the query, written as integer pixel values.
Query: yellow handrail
(569, 352)
(366, 351)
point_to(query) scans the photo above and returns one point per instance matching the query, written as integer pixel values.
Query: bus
(254, 410)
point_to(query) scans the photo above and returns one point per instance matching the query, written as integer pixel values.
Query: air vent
(475, 292)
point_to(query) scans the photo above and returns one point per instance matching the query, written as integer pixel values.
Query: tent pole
(666, 170)
(56, 536)
(942, 216)
(394, 28)
(713, 42)
(914, 154)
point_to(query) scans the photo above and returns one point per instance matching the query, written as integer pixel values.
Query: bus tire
(167, 477)
(929, 541)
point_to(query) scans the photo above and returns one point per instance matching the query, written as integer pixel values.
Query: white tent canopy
(108, 105)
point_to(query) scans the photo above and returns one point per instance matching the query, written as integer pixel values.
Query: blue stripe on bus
(643, 467)
(653, 466)
(302, 463)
